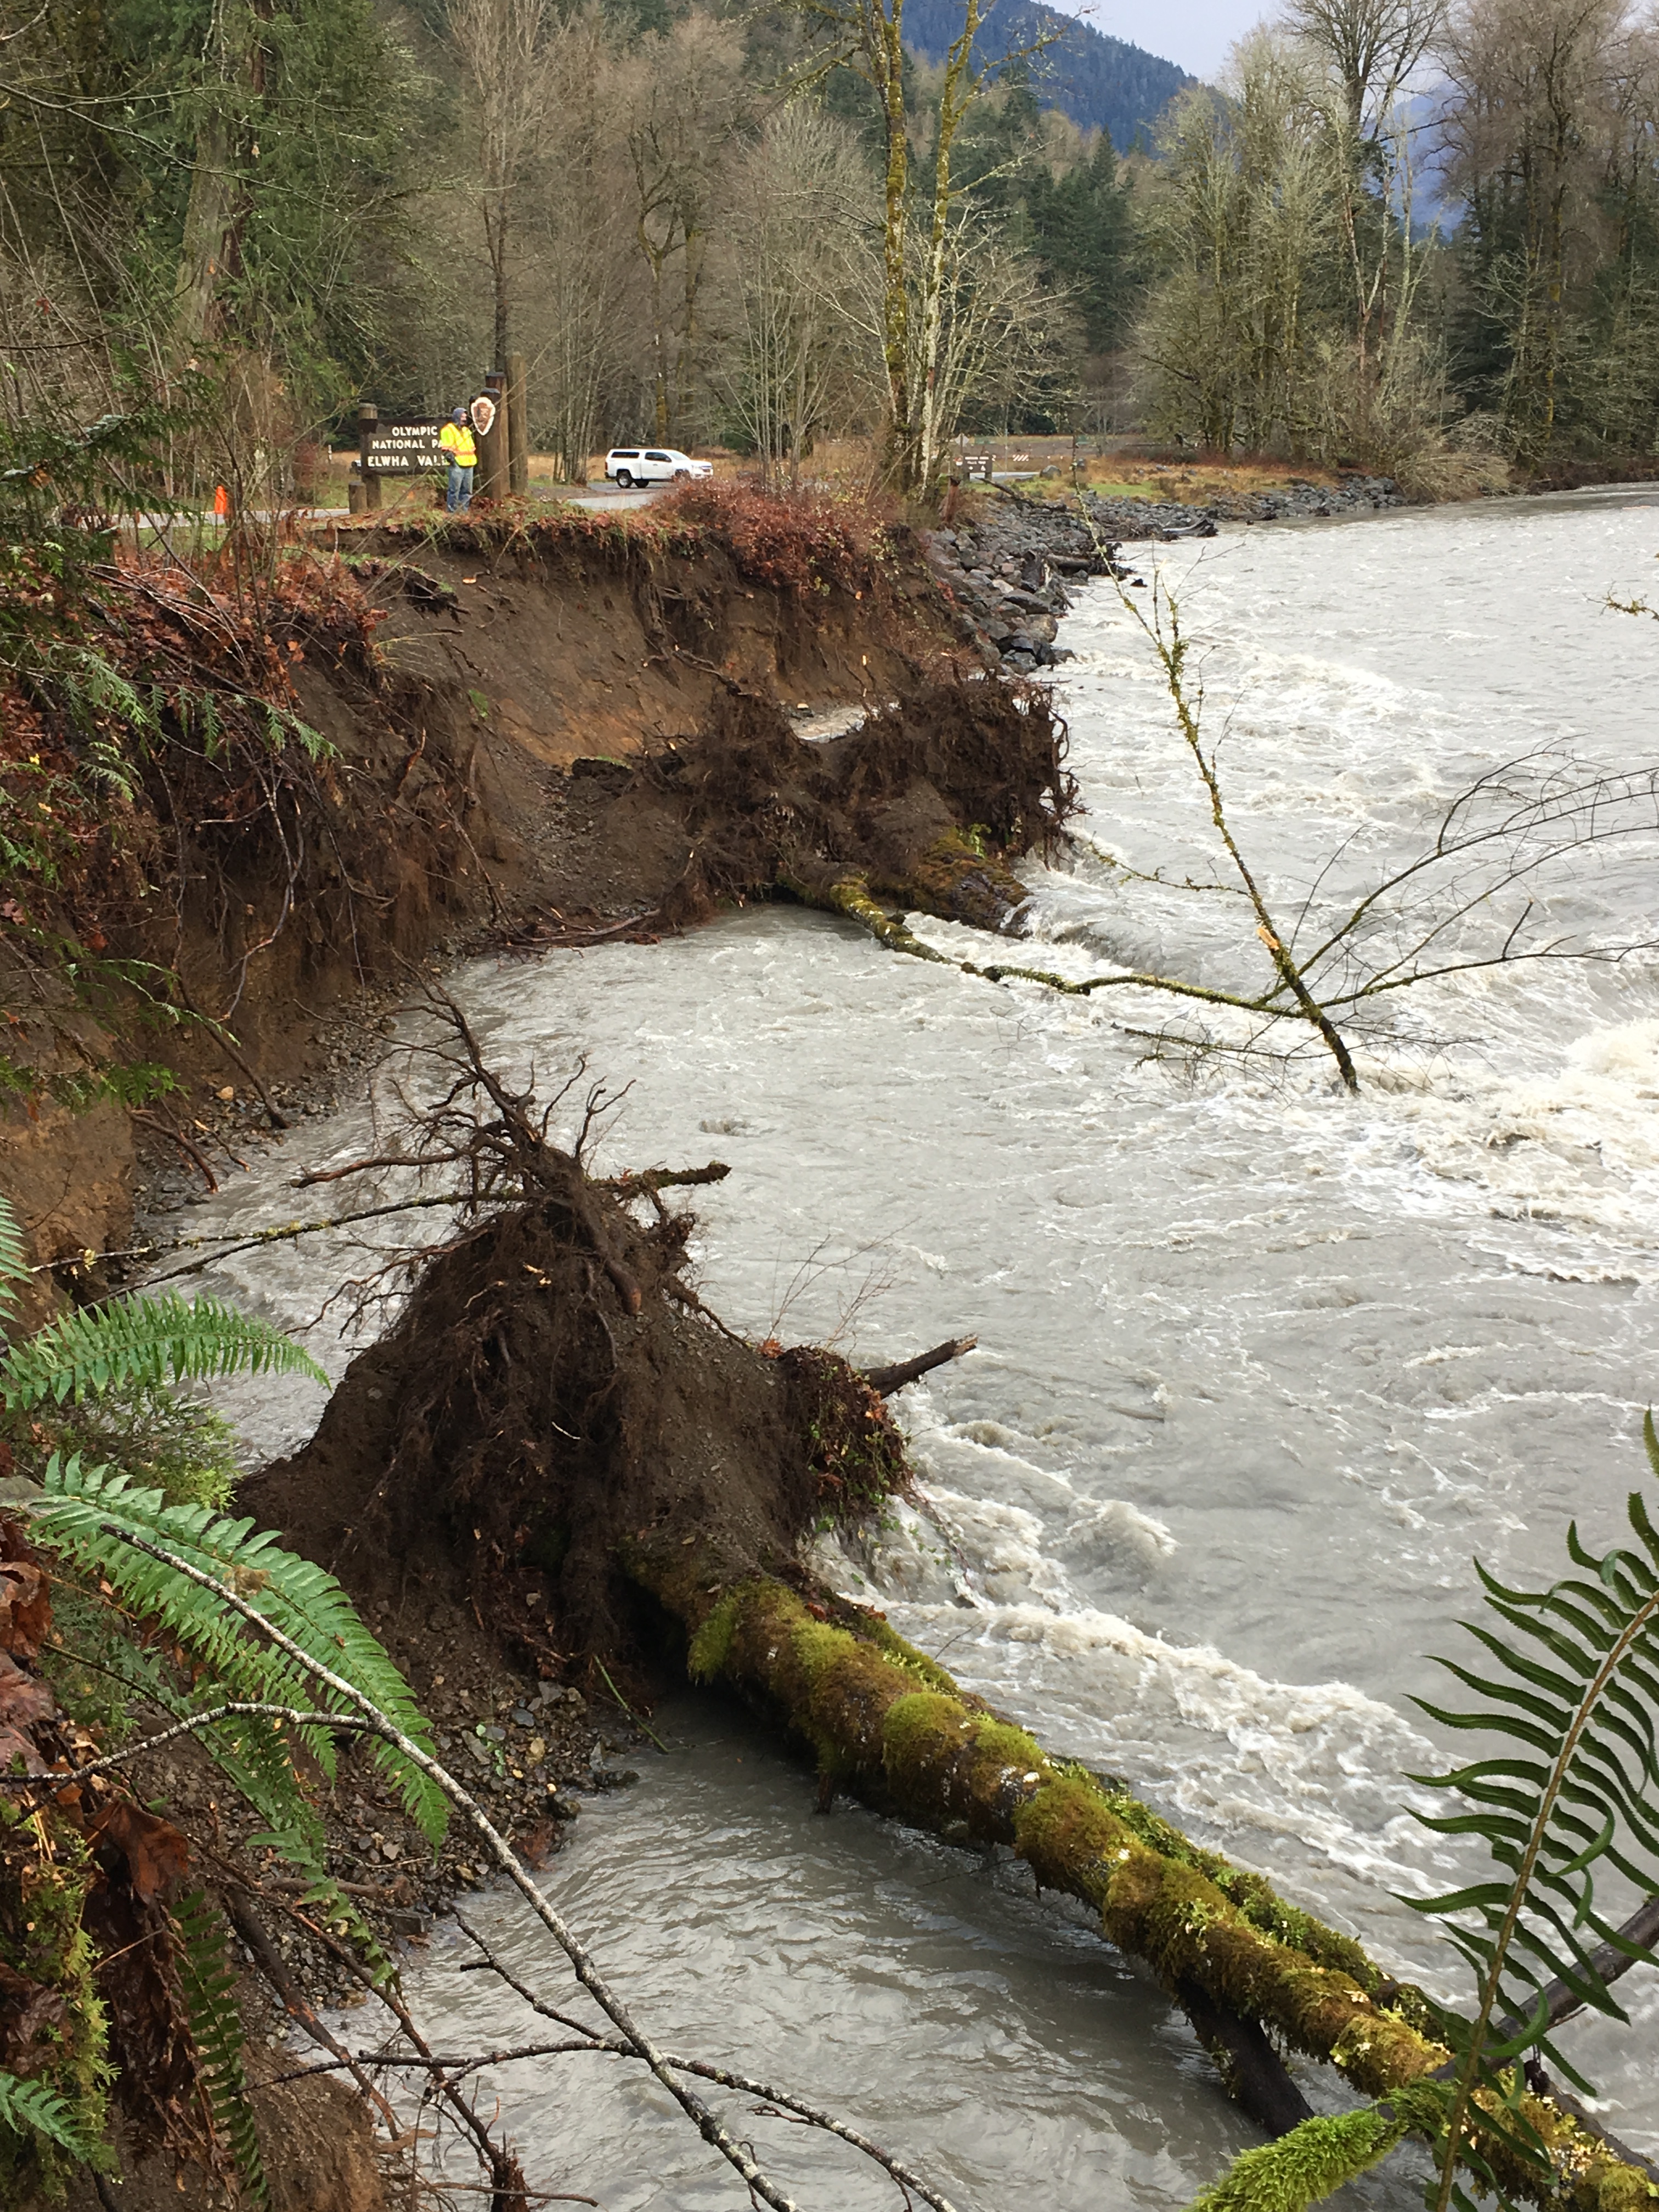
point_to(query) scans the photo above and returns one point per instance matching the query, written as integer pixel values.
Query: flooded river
(1261, 1364)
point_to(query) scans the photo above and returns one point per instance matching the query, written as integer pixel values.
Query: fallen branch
(1607, 1960)
(1255, 2077)
(648, 1180)
(723, 2076)
(885, 1380)
(246, 1921)
(191, 1152)
(654, 1179)
(282, 1232)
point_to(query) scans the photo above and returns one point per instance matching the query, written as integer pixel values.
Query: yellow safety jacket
(456, 439)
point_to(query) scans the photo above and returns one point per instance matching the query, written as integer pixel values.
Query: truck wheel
(681, 475)
(624, 481)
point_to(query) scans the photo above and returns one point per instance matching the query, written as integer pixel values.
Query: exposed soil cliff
(474, 688)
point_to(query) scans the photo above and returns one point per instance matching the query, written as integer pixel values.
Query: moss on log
(890, 1724)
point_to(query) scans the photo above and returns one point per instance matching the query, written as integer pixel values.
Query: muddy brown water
(1260, 1367)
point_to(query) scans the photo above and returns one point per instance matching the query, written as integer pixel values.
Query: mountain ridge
(1101, 82)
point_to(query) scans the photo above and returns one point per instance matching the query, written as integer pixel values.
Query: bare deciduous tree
(1245, 220)
(799, 232)
(683, 98)
(581, 320)
(1533, 125)
(1373, 50)
(917, 256)
(502, 46)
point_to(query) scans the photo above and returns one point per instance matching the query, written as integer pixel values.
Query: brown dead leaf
(25, 1601)
(13, 1748)
(157, 1856)
(24, 1698)
(27, 2011)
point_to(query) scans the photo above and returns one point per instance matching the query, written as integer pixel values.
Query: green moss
(45, 1873)
(960, 879)
(873, 1629)
(917, 1729)
(711, 1646)
(1008, 1746)
(1071, 1840)
(821, 1647)
(1309, 2164)
(1622, 2189)
(852, 897)
(1254, 1897)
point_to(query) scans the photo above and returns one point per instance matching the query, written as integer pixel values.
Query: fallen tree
(925, 805)
(556, 1424)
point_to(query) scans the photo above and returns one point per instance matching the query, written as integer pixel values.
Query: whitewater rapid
(1261, 1364)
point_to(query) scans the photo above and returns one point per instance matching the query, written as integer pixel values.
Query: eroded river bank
(1259, 1366)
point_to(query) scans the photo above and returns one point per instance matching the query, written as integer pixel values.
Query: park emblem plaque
(484, 414)
(402, 449)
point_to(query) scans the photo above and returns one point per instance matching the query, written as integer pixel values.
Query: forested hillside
(1102, 83)
(770, 231)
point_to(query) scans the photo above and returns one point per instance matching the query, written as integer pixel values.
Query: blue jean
(460, 489)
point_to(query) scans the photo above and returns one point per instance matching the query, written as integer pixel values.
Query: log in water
(1260, 1365)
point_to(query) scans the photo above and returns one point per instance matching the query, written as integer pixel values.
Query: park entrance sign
(403, 449)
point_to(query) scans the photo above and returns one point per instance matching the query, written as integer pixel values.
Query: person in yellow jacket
(456, 439)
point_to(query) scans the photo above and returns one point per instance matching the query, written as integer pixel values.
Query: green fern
(31, 2104)
(14, 1260)
(146, 1340)
(1569, 1681)
(83, 1518)
(216, 2027)
(1574, 1692)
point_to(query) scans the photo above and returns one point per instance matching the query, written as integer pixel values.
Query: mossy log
(954, 879)
(891, 1726)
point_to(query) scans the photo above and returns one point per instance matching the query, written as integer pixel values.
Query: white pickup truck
(628, 465)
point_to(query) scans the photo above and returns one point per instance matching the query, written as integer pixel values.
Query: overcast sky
(1194, 33)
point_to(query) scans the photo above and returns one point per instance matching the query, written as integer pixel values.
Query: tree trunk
(889, 1724)
(887, 67)
(219, 198)
(212, 223)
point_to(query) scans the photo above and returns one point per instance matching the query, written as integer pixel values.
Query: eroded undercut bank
(489, 733)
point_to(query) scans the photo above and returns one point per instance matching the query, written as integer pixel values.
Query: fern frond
(151, 1340)
(1571, 1682)
(216, 2027)
(85, 1515)
(26, 2104)
(13, 1261)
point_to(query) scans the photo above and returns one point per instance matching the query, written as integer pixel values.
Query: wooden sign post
(369, 422)
(493, 447)
(518, 426)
